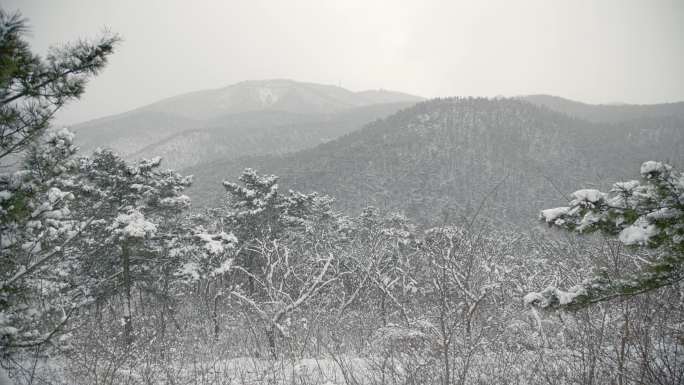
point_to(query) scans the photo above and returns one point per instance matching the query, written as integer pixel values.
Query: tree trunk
(162, 318)
(270, 335)
(128, 320)
(214, 316)
(623, 347)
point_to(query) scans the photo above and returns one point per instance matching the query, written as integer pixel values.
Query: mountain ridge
(208, 118)
(605, 113)
(448, 154)
(339, 98)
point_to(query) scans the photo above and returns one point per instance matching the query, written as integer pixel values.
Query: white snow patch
(134, 225)
(54, 194)
(178, 201)
(191, 269)
(5, 195)
(588, 195)
(566, 297)
(638, 234)
(266, 96)
(552, 294)
(652, 166)
(216, 243)
(664, 213)
(533, 297)
(587, 220)
(224, 268)
(551, 215)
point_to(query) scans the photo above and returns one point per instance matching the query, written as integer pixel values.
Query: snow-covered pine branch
(647, 213)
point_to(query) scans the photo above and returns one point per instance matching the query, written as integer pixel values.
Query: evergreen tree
(648, 214)
(259, 213)
(32, 89)
(128, 208)
(37, 291)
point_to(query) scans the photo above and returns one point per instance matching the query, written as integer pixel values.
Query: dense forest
(500, 159)
(426, 247)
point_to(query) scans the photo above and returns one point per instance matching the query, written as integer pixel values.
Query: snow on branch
(640, 214)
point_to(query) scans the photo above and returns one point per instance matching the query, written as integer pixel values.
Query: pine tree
(647, 214)
(128, 208)
(259, 212)
(37, 291)
(32, 89)
(286, 249)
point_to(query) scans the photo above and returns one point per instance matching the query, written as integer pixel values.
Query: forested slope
(501, 159)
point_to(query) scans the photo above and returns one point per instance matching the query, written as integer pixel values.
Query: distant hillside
(261, 132)
(254, 117)
(607, 113)
(504, 159)
(129, 133)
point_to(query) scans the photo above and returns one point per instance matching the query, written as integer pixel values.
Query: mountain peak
(273, 94)
(254, 116)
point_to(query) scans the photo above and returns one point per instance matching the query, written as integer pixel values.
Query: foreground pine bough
(641, 214)
(37, 296)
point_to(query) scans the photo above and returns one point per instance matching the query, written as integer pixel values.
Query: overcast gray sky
(592, 51)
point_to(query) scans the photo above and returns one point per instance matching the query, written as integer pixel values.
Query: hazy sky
(592, 51)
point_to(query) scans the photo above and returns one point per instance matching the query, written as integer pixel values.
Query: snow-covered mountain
(247, 118)
(278, 94)
(501, 159)
(261, 132)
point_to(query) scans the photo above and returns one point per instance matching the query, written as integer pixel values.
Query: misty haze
(341, 192)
